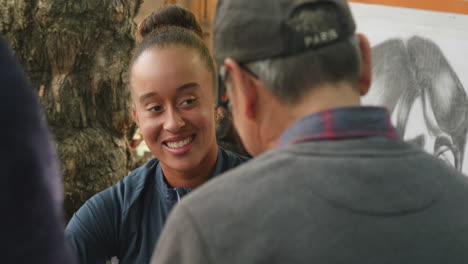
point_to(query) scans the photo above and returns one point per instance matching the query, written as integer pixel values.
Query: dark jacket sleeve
(181, 241)
(31, 222)
(94, 228)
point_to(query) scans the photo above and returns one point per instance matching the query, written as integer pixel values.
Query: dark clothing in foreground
(126, 219)
(347, 191)
(31, 225)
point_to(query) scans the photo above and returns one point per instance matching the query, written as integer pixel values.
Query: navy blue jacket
(126, 219)
(31, 223)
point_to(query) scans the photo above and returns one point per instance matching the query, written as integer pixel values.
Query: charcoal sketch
(420, 73)
(429, 105)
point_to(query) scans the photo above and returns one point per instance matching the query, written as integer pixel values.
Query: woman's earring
(219, 113)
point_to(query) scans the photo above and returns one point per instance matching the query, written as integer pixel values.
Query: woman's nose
(174, 121)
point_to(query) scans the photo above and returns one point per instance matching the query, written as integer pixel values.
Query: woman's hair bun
(167, 16)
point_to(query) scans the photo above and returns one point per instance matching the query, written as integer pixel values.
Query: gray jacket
(369, 200)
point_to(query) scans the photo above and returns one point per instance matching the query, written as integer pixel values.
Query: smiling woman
(174, 104)
(172, 86)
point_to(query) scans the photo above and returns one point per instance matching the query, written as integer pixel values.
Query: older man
(331, 181)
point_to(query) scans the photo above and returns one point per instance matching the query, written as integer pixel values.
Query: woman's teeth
(179, 144)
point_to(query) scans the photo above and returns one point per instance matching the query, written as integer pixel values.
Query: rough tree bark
(76, 54)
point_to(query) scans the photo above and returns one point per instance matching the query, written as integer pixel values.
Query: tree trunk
(76, 54)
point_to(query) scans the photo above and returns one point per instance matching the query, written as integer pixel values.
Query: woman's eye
(189, 101)
(156, 108)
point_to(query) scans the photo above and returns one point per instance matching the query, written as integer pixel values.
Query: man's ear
(243, 87)
(365, 72)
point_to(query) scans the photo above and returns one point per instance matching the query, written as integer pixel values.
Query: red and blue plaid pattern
(340, 123)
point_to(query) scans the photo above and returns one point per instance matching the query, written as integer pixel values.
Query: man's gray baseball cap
(250, 30)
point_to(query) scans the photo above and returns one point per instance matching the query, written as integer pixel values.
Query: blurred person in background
(31, 194)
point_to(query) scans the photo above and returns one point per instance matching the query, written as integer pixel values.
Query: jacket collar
(173, 195)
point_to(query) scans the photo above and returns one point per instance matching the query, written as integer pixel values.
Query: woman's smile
(179, 145)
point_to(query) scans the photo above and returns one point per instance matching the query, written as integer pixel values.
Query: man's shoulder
(293, 159)
(243, 168)
(312, 162)
(243, 178)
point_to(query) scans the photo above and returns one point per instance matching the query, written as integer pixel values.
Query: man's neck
(195, 176)
(279, 116)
